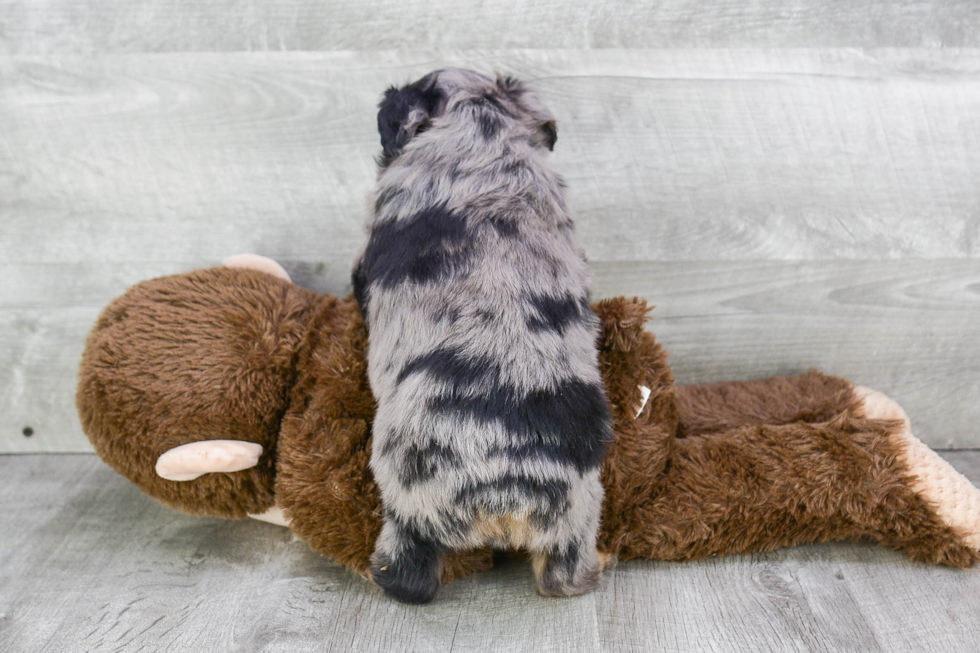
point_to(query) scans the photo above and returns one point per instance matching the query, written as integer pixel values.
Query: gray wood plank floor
(88, 563)
(783, 208)
(908, 328)
(185, 25)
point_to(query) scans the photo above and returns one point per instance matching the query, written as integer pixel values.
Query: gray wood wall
(792, 183)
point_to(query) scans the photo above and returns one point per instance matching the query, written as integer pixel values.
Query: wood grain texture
(88, 563)
(669, 154)
(184, 25)
(814, 599)
(820, 164)
(907, 328)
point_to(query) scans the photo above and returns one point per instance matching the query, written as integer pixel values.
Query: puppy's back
(491, 411)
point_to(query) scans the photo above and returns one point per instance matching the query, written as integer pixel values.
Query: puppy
(492, 416)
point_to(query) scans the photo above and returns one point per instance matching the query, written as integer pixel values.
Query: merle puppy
(492, 416)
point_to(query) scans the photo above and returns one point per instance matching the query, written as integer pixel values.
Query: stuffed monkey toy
(232, 392)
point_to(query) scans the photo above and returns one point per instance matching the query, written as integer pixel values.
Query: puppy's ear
(549, 133)
(541, 121)
(405, 112)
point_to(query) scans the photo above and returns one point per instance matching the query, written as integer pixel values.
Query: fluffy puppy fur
(492, 416)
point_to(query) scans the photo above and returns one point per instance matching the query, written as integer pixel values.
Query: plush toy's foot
(256, 262)
(954, 498)
(273, 515)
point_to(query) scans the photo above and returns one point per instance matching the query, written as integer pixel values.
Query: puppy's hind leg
(406, 565)
(563, 553)
(570, 568)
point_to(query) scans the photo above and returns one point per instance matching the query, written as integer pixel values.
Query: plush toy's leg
(814, 398)
(273, 515)
(954, 498)
(763, 487)
(718, 407)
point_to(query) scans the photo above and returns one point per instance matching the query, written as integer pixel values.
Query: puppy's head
(452, 95)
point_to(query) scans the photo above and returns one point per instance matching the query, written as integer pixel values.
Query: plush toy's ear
(256, 262)
(194, 459)
(405, 112)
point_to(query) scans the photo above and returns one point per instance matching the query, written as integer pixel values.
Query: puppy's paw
(406, 580)
(570, 573)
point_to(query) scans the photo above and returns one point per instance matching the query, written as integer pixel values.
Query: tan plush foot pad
(956, 500)
(273, 515)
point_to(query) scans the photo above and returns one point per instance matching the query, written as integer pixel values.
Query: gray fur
(476, 334)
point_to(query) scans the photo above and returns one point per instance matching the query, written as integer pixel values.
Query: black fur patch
(487, 102)
(566, 559)
(559, 570)
(428, 246)
(557, 314)
(550, 133)
(394, 110)
(387, 195)
(512, 87)
(360, 281)
(516, 167)
(493, 101)
(554, 493)
(570, 423)
(505, 227)
(490, 124)
(449, 366)
(412, 577)
(421, 464)
(486, 316)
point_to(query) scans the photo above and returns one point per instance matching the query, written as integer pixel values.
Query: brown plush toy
(232, 392)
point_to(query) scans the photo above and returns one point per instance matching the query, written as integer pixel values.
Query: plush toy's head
(205, 356)
(227, 392)
(469, 104)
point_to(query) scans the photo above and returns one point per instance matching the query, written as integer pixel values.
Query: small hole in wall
(27, 431)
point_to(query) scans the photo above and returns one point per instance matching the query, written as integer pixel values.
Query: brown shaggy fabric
(324, 484)
(636, 462)
(758, 488)
(202, 356)
(766, 464)
(811, 397)
(238, 354)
